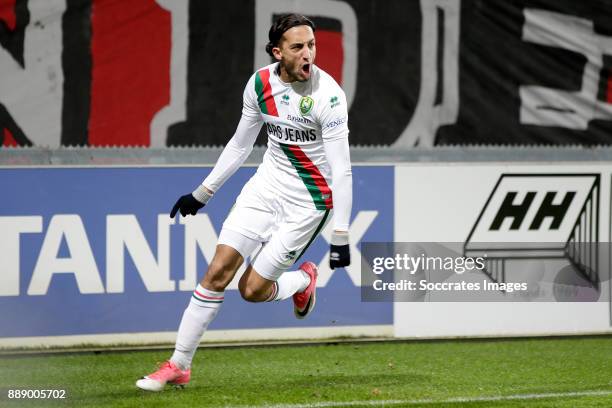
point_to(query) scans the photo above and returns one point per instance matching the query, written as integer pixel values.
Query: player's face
(296, 53)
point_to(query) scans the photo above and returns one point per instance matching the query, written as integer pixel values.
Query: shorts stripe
(319, 227)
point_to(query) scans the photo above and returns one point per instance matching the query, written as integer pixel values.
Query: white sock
(203, 307)
(290, 283)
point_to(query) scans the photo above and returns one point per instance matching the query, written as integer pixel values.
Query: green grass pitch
(569, 372)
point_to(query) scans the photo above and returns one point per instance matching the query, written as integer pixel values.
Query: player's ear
(276, 52)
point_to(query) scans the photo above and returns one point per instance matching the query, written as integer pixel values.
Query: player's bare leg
(300, 284)
(268, 285)
(255, 288)
(203, 307)
(222, 269)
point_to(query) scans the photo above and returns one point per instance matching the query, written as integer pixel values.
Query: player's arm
(335, 141)
(232, 157)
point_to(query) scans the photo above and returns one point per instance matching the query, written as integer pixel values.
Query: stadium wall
(89, 254)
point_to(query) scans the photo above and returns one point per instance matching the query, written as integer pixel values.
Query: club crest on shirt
(306, 104)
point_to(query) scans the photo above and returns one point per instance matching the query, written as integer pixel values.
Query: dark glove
(339, 252)
(191, 203)
(186, 204)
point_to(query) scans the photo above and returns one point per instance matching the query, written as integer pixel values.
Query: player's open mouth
(306, 69)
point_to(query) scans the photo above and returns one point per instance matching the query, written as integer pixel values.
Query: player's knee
(250, 294)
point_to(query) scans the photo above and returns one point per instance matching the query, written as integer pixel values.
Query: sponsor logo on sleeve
(334, 123)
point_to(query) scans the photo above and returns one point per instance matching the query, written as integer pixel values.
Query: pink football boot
(168, 373)
(304, 302)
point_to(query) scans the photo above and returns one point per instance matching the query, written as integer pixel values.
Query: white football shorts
(261, 217)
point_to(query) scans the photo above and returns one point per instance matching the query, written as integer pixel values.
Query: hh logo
(518, 212)
(539, 216)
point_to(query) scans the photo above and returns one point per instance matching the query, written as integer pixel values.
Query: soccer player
(283, 207)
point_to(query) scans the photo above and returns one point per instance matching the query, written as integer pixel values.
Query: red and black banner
(416, 73)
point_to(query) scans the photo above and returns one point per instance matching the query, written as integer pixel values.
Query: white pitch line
(382, 403)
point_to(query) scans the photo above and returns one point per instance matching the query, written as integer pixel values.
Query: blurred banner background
(416, 73)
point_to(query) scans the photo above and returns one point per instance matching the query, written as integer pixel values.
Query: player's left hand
(339, 252)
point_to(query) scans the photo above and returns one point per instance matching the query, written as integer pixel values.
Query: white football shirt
(298, 118)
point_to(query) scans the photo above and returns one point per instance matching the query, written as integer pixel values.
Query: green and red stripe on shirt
(311, 176)
(264, 93)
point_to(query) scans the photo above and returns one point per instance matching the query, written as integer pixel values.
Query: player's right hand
(186, 204)
(191, 203)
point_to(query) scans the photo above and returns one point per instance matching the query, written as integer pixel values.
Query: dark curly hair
(282, 24)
